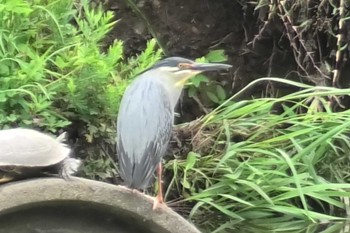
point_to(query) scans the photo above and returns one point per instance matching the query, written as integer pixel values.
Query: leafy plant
(54, 72)
(257, 165)
(52, 66)
(215, 92)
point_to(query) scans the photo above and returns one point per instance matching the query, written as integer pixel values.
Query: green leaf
(213, 97)
(216, 56)
(4, 70)
(191, 160)
(185, 184)
(2, 97)
(18, 7)
(201, 60)
(192, 91)
(220, 91)
(71, 86)
(198, 79)
(12, 118)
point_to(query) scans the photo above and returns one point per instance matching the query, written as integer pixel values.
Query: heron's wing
(145, 122)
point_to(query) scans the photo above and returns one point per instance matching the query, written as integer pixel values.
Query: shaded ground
(184, 28)
(191, 29)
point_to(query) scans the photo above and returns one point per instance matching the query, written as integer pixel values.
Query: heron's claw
(157, 201)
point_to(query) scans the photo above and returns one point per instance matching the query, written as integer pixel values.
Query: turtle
(28, 153)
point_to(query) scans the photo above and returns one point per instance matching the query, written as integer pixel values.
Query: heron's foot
(158, 201)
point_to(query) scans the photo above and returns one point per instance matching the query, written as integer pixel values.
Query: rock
(80, 205)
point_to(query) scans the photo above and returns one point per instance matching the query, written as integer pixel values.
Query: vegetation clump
(278, 159)
(55, 74)
(279, 162)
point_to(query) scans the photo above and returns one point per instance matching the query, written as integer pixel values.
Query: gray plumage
(149, 117)
(146, 115)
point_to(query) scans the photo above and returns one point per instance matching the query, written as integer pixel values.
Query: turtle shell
(29, 148)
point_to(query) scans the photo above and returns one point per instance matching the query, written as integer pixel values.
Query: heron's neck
(175, 92)
(173, 85)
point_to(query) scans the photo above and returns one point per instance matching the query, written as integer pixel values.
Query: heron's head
(181, 69)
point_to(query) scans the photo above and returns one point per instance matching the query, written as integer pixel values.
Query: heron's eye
(183, 65)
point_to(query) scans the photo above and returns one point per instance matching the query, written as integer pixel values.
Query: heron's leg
(159, 199)
(160, 183)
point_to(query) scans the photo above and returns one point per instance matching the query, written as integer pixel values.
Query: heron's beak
(209, 66)
(196, 68)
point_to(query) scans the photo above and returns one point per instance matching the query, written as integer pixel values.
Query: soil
(188, 28)
(191, 28)
(184, 28)
(257, 42)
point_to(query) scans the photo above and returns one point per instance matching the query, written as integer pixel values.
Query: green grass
(267, 159)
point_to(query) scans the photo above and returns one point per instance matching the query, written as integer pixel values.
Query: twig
(340, 44)
(290, 27)
(200, 104)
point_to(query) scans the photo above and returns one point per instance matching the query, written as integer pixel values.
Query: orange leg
(159, 199)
